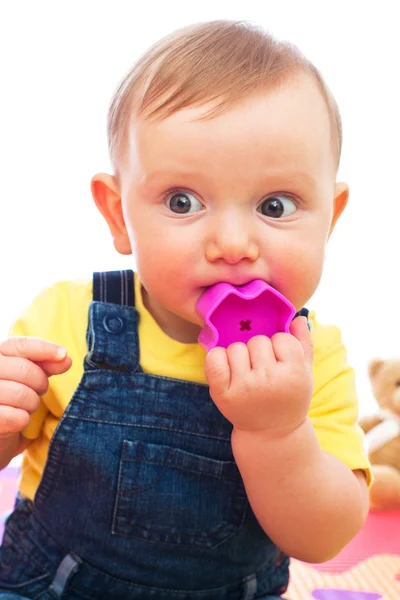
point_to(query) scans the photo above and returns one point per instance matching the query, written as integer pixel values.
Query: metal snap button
(113, 324)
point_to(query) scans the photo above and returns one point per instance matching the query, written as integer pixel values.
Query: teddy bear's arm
(369, 422)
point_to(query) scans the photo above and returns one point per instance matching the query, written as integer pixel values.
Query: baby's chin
(187, 334)
(182, 327)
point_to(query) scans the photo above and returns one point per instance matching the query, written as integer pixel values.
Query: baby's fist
(265, 384)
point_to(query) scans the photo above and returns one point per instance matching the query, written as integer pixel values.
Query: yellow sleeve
(334, 404)
(32, 323)
(58, 314)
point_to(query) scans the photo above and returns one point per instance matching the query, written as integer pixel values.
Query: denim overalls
(140, 497)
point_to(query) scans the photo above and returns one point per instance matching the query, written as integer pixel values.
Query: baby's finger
(261, 353)
(12, 420)
(34, 349)
(55, 367)
(239, 361)
(18, 395)
(299, 329)
(287, 348)
(22, 370)
(217, 371)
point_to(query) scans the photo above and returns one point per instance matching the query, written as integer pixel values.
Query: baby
(151, 468)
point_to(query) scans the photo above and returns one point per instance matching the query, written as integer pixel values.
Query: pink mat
(8, 488)
(367, 569)
(380, 535)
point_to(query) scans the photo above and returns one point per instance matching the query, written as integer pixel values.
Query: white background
(60, 63)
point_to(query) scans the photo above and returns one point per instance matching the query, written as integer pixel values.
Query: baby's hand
(266, 384)
(25, 365)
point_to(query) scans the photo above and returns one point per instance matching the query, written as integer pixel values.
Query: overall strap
(303, 312)
(112, 333)
(116, 287)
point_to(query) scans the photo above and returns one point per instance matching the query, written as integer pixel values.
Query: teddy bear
(382, 431)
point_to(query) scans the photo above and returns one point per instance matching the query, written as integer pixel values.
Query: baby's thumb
(55, 367)
(299, 329)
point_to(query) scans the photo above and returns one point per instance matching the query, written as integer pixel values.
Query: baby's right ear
(107, 197)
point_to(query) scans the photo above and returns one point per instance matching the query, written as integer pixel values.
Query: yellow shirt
(59, 314)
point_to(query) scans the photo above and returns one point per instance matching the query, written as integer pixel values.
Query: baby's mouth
(237, 281)
(233, 313)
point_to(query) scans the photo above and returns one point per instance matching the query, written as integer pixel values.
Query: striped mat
(367, 569)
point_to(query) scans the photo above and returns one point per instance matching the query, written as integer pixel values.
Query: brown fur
(385, 381)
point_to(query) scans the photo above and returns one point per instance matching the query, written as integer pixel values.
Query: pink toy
(237, 313)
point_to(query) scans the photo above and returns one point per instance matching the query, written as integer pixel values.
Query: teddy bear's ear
(374, 366)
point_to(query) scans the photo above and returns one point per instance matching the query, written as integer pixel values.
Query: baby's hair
(217, 61)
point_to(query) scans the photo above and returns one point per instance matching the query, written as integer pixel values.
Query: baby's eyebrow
(159, 177)
(289, 177)
(271, 179)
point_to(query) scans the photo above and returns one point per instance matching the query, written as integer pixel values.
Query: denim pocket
(171, 496)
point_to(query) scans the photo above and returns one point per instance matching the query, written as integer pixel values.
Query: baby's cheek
(298, 277)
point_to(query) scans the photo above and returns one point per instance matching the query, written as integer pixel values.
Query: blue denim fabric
(7, 596)
(140, 497)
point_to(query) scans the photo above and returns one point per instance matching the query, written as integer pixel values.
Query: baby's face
(248, 194)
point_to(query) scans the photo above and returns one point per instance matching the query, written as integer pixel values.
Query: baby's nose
(232, 247)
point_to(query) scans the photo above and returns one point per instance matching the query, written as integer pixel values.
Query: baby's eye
(277, 206)
(183, 203)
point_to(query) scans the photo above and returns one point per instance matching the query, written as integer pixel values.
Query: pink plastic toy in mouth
(237, 313)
